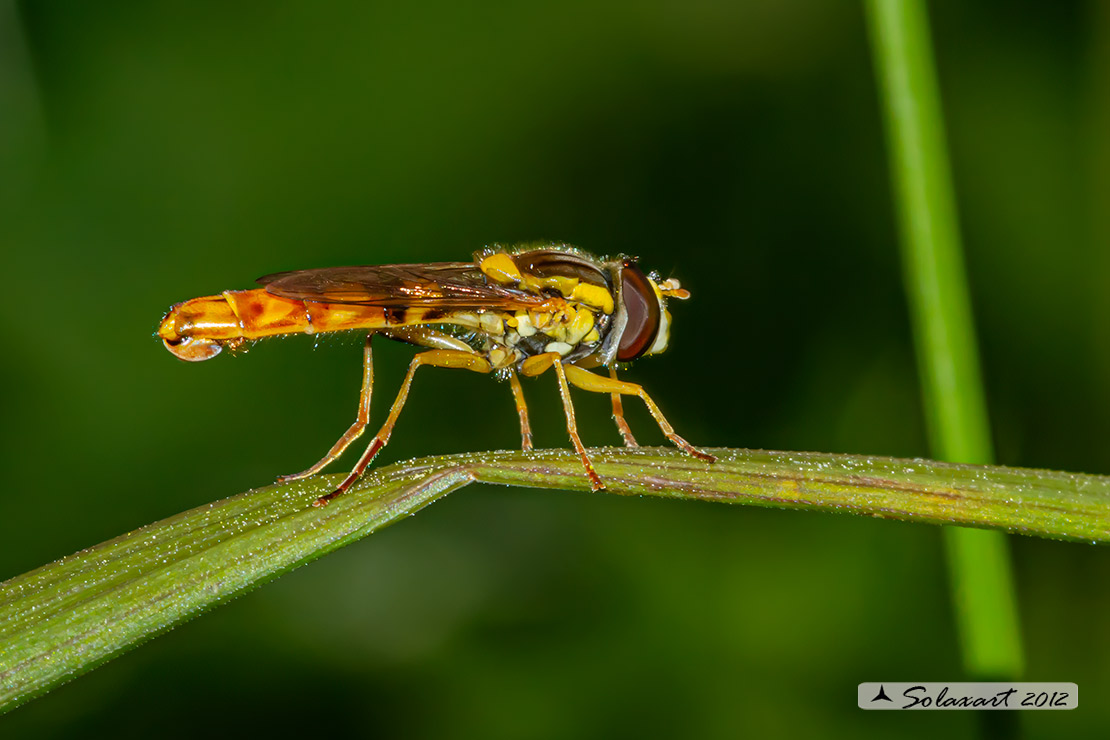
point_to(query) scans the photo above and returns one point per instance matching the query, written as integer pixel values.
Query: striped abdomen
(198, 329)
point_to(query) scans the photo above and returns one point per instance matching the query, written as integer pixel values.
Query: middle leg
(540, 363)
(521, 410)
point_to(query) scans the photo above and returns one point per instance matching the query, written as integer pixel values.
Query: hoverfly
(508, 312)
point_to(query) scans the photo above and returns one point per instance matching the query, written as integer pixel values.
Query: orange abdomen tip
(197, 329)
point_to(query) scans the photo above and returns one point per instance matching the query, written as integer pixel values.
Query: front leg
(587, 381)
(618, 415)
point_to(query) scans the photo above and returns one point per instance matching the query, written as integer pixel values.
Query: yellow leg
(618, 415)
(521, 410)
(539, 364)
(434, 358)
(587, 381)
(357, 428)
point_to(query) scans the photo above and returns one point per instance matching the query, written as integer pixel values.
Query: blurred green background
(152, 153)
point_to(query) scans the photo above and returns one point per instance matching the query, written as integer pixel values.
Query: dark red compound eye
(642, 309)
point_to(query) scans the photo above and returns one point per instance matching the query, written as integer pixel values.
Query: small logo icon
(898, 695)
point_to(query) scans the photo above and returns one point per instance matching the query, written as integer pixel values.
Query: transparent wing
(441, 284)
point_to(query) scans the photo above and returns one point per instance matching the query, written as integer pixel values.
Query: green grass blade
(955, 409)
(70, 616)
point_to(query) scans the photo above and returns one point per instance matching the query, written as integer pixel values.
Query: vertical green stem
(986, 610)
